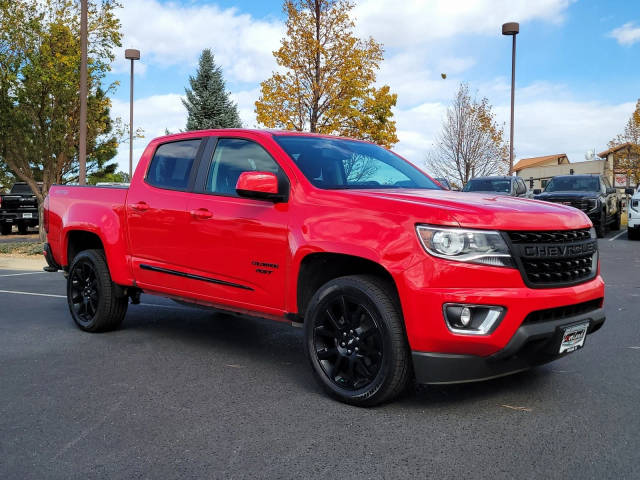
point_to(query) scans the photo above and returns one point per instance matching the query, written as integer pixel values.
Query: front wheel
(633, 233)
(355, 341)
(93, 298)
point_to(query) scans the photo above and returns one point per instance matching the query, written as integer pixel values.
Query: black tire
(91, 294)
(5, 228)
(633, 234)
(23, 229)
(617, 219)
(355, 341)
(601, 227)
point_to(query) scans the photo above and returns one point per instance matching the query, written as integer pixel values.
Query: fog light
(465, 317)
(472, 319)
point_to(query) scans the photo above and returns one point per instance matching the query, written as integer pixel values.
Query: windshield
(499, 185)
(21, 189)
(347, 164)
(573, 184)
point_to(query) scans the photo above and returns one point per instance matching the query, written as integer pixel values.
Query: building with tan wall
(537, 171)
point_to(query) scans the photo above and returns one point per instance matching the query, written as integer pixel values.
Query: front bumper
(533, 344)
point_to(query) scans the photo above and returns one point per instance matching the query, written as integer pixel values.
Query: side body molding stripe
(193, 277)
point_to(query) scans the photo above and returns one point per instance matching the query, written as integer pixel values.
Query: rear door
(240, 245)
(157, 214)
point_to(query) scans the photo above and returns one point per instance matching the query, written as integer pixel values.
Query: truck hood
(476, 210)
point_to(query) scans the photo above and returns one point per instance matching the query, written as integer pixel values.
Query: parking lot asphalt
(182, 392)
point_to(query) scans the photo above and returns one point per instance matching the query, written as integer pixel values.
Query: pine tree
(208, 103)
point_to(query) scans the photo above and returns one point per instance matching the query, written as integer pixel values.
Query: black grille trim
(554, 258)
(555, 236)
(560, 313)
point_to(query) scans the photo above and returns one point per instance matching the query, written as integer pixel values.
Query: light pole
(131, 54)
(82, 140)
(512, 28)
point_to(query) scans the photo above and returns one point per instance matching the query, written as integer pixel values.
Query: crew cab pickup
(593, 194)
(19, 207)
(391, 277)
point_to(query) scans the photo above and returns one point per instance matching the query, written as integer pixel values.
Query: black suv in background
(512, 186)
(18, 207)
(592, 194)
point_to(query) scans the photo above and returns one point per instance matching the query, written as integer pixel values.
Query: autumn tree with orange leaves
(326, 84)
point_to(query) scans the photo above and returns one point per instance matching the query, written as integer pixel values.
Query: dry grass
(26, 249)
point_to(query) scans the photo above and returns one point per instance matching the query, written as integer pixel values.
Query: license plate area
(27, 215)
(573, 337)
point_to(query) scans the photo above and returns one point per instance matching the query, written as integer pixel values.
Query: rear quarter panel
(98, 210)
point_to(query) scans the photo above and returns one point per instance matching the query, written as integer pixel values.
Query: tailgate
(19, 202)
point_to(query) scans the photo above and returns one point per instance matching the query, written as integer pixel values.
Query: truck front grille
(585, 205)
(555, 258)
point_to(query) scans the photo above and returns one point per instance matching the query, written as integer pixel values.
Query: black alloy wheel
(348, 343)
(355, 340)
(84, 294)
(95, 302)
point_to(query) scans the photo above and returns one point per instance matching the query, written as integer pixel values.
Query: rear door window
(172, 164)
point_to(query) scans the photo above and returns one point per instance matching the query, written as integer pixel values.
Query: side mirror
(260, 185)
(610, 190)
(629, 191)
(537, 191)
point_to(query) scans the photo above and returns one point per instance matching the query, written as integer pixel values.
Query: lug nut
(349, 352)
(343, 344)
(355, 349)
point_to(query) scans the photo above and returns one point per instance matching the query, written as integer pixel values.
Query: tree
(39, 89)
(627, 160)
(208, 103)
(327, 80)
(471, 143)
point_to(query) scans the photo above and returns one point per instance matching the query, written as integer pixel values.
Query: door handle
(201, 214)
(140, 206)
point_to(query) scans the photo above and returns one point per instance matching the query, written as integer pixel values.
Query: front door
(242, 247)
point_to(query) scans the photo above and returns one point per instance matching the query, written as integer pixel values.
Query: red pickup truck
(392, 277)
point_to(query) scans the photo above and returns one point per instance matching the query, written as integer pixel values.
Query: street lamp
(131, 54)
(512, 28)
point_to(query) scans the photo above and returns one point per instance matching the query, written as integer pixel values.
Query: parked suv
(18, 207)
(633, 214)
(592, 194)
(504, 185)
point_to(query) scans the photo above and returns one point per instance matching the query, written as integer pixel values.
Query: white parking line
(18, 274)
(64, 296)
(616, 236)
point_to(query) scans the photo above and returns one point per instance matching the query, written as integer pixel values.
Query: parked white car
(633, 215)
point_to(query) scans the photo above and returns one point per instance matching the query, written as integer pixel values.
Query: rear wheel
(91, 294)
(23, 229)
(355, 341)
(5, 229)
(633, 233)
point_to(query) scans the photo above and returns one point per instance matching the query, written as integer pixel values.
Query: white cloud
(544, 124)
(627, 34)
(171, 34)
(410, 23)
(156, 113)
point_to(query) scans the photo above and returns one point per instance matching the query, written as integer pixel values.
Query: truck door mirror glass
(610, 190)
(537, 191)
(262, 185)
(629, 191)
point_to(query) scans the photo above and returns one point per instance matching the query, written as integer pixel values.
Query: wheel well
(79, 240)
(319, 268)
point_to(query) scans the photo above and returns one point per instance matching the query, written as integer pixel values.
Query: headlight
(475, 246)
(593, 203)
(592, 232)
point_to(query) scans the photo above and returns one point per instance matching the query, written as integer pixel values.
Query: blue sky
(577, 80)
